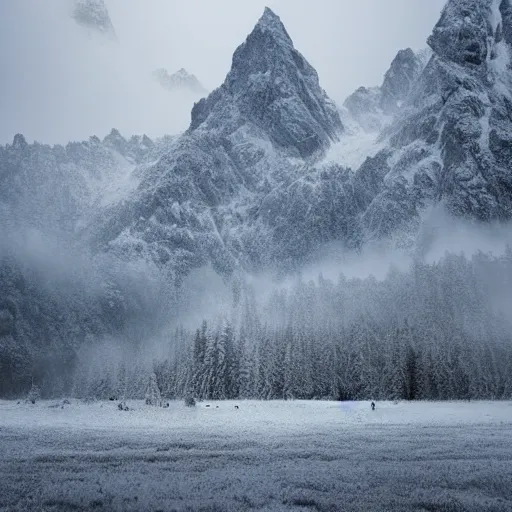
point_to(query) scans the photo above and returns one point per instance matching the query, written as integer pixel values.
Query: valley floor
(322, 456)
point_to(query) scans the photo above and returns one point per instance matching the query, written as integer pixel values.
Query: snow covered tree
(153, 396)
(34, 394)
(199, 360)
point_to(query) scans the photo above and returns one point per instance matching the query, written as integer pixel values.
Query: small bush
(122, 406)
(190, 401)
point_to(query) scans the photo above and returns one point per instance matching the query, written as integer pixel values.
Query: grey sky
(60, 82)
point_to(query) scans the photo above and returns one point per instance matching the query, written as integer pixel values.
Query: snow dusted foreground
(297, 455)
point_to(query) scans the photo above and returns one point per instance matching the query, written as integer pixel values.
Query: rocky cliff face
(399, 80)
(450, 142)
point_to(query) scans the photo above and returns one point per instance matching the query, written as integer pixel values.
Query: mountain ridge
(248, 186)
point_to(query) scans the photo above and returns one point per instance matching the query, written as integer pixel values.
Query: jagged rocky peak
(364, 107)
(375, 107)
(272, 23)
(272, 86)
(452, 142)
(136, 147)
(182, 80)
(399, 79)
(146, 141)
(115, 140)
(94, 15)
(470, 30)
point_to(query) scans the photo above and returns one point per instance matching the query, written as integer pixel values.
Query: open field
(265, 456)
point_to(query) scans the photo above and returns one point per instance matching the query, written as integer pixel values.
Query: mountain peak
(270, 14)
(272, 86)
(399, 80)
(115, 140)
(271, 23)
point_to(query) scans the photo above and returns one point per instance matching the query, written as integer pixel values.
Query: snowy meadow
(276, 455)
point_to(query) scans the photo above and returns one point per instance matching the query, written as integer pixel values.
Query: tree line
(437, 331)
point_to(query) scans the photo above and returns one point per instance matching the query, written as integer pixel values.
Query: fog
(63, 82)
(424, 330)
(137, 324)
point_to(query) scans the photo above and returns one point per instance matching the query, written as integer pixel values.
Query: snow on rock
(262, 178)
(355, 145)
(270, 171)
(375, 108)
(399, 80)
(364, 106)
(449, 140)
(272, 86)
(78, 178)
(464, 30)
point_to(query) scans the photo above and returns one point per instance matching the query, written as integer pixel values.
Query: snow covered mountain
(94, 15)
(248, 185)
(450, 142)
(210, 198)
(182, 80)
(56, 188)
(255, 182)
(274, 88)
(374, 108)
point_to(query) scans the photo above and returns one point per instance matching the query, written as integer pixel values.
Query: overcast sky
(60, 83)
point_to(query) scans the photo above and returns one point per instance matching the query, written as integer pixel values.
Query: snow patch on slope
(118, 186)
(353, 149)
(354, 146)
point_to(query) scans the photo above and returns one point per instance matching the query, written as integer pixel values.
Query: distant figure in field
(373, 406)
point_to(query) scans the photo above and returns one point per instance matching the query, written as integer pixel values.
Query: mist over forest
(436, 329)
